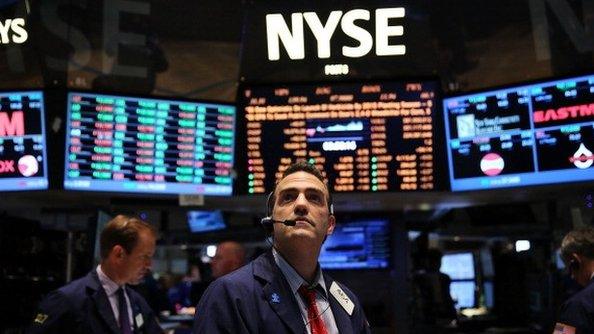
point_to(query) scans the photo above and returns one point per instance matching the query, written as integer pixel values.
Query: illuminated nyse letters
(17, 27)
(278, 31)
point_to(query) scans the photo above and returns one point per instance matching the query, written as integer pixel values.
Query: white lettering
(4, 29)
(350, 28)
(383, 31)
(278, 31)
(323, 34)
(276, 28)
(18, 28)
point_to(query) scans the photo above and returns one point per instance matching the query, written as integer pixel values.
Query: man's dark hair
(299, 166)
(124, 231)
(579, 241)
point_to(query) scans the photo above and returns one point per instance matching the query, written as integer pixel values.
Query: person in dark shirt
(577, 314)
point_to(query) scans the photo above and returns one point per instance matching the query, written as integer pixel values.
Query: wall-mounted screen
(360, 244)
(458, 266)
(148, 145)
(463, 294)
(526, 135)
(23, 162)
(365, 137)
(205, 221)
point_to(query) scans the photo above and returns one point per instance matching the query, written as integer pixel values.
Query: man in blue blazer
(284, 290)
(101, 302)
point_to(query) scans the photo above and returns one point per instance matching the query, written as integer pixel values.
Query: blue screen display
(357, 245)
(23, 159)
(525, 135)
(458, 266)
(205, 221)
(148, 145)
(462, 293)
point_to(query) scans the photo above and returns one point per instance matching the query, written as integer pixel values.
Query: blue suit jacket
(257, 299)
(82, 306)
(578, 311)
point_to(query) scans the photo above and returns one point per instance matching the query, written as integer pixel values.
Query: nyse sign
(278, 32)
(13, 30)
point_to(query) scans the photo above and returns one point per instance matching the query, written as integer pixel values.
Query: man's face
(136, 264)
(222, 263)
(304, 198)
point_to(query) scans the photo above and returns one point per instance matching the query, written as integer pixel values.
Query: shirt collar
(108, 285)
(295, 280)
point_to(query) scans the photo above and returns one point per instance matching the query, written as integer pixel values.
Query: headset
(268, 222)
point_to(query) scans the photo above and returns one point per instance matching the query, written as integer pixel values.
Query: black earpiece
(574, 265)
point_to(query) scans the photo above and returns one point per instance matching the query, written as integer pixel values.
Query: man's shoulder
(76, 288)
(583, 300)
(241, 277)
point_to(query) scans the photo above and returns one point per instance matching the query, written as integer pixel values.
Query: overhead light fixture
(522, 245)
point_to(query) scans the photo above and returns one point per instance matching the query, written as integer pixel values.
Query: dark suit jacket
(257, 299)
(82, 306)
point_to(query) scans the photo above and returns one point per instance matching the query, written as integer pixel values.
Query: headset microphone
(268, 221)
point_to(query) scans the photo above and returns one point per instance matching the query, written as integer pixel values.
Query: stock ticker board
(525, 135)
(365, 137)
(23, 161)
(148, 145)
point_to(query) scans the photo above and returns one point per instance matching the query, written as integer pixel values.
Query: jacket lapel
(342, 318)
(101, 301)
(136, 310)
(278, 293)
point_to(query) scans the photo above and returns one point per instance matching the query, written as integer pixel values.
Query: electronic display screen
(205, 221)
(357, 245)
(462, 293)
(364, 137)
(23, 159)
(534, 134)
(148, 145)
(458, 266)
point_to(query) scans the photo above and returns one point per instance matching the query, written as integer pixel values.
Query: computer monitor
(361, 244)
(521, 135)
(23, 157)
(205, 221)
(374, 136)
(458, 266)
(463, 293)
(120, 143)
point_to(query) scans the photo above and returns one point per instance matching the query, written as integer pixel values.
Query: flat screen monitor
(525, 135)
(463, 294)
(365, 136)
(23, 159)
(360, 244)
(205, 221)
(458, 266)
(121, 143)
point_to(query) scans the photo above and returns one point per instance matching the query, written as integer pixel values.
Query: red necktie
(314, 319)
